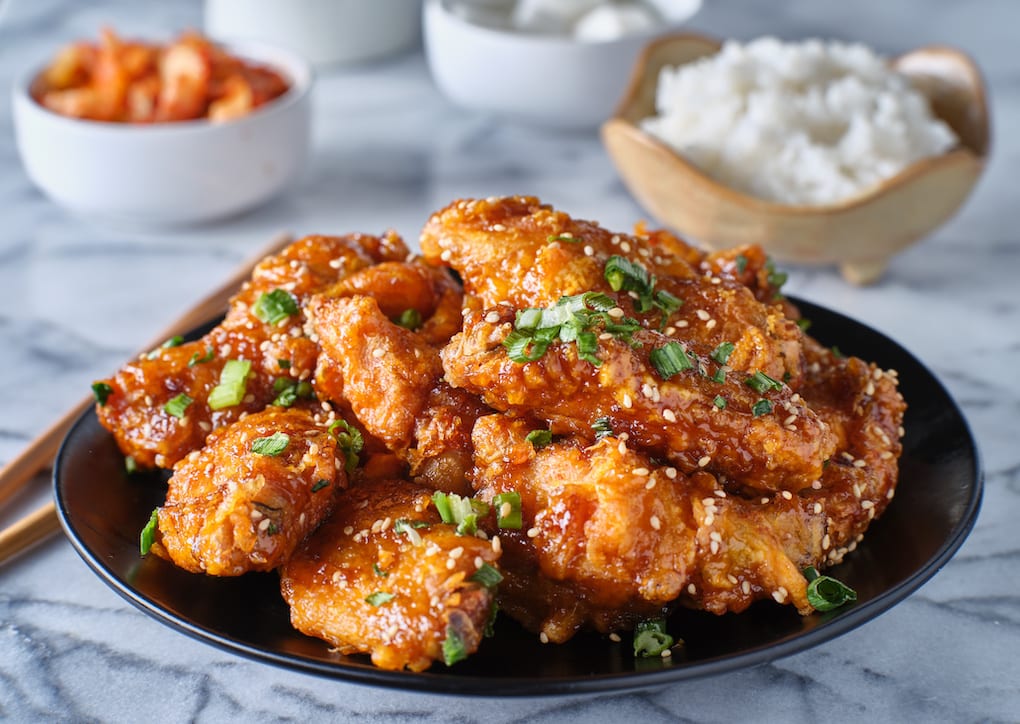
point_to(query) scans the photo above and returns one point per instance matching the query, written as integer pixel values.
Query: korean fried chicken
(630, 424)
(251, 495)
(385, 576)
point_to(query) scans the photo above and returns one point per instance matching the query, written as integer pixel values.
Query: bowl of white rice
(822, 152)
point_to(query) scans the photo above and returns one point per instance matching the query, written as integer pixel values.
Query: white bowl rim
(554, 40)
(298, 70)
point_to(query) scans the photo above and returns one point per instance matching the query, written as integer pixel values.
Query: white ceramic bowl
(170, 173)
(550, 80)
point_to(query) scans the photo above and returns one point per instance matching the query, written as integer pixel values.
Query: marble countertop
(79, 296)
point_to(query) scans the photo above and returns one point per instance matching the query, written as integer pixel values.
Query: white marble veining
(78, 297)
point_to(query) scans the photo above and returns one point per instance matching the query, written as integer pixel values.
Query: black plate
(103, 510)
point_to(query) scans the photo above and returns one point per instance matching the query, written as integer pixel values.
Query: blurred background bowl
(170, 173)
(547, 79)
(860, 234)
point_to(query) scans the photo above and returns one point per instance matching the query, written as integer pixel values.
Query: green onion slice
(488, 575)
(101, 391)
(761, 407)
(197, 359)
(175, 341)
(539, 438)
(409, 319)
(378, 598)
(148, 534)
(270, 446)
(602, 427)
(274, 306)
(741, 262)
(563, 237)
(319, 485)
(175, 407)
(826, 593)
(762, 383)
(650, 638)
(232, 386)
(453, 647)
(379, 571)
(721, 354)
(350, 440)
(670, 359)
(719, 402)
(456, 509)
(130, 465)
(508, 510)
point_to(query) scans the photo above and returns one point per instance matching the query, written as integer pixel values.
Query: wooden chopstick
(40, 452)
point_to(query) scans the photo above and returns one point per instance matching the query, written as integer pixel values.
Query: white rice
(796, 123)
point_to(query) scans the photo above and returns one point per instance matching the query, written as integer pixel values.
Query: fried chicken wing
(251, 495)
(690, 419)
(385, 576)
(274, 343)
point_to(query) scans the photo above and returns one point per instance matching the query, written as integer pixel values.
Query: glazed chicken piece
(762, 438)
(391, 378)
(384, 576)
(609, 538)
(270, 337)
(520, 252)
(251, 495)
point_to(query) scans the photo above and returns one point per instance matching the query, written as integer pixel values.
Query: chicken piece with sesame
(747, 429)
(248, 498)
(384, 576)
(261, 342)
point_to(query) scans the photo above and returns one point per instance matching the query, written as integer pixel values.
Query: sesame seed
(492, 317)
(891, 493)
(816, 485)
(764, 501)
(624, 247)
(456, 552)
(886, 455)
(716, 536)
(669, 415)
(817, 508)
(650, 484)
(622, 448)
(731, 578)
(532, 532)
(543, 637)
(378, 352)
(498, 227)
(446, 255)
(745, 586)
(450, 563)
(704, 461)
(714, 546)
(206, 427)
(337, 576)
(605, 336)
(860, 463)
(683, 323)
(703, 315)
(779, 594)
(710, 324)
(719, 493)
(640, 471)
(867, 504)
(615, 240)
(789, 419)
(616, 313)
(670, 473)
(505, 510)
(826, 542)
(654, 522)
(787, 494)
(627, 401)
(265, 524)
(692, 589)
(669, 331)
(588, 250)
(479, 561)
(615, 637)
(709, 519)
(497, 546)
(666, 654)
(348, 530)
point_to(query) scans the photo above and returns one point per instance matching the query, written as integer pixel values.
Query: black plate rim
(468, 685)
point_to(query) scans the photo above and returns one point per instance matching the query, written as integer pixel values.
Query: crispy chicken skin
(678, 419)
(134, 410)
(366, 587)
(230, 510)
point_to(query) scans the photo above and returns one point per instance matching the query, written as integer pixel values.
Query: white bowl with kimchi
(173, 153)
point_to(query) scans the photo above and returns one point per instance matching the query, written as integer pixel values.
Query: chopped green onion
(622, 273)
(761, 407)
(442, 502)
(804, 323)
(741, 262)
(598, 301)
(667, 302)
(719, 402)
(490, 622)
(775, 278)
(319, 485)
(232, 386)
(274, 306)
(401, 525)
(270, 446)
(670, 359)
(130, 465)
(175, 341)
(762, 383)
(409, 319)
(602, 427)
(284, 364)
(197, 359)
(508, 510)
(836, 353)
(378, 598)
(587, 348)
(176, 406)
(826, 593)
(457, 509)
(487, 575)
(148, 534)
(720, 375)
(272, 529)
(350, 441)
(721, 354)
(379, 571)
(453, 647)
(517, 344)
(101, 391)
(650, 638)
(539, 438)
(290, 391)
(563, 237)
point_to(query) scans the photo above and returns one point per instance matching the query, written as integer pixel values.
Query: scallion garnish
(719, 376)
(741, 261)
(563, 237)
(289, 391)
(175, 341)
(539, 438)
(272, 445)
(775, 278)
(508, 510)
(284, 364)
(719, 402)
(761, 407)
(197, 359)
(176, 406)
(272, 307)
(602, 427)
(650, 638)
(409, 319)
(379, 571)
(378, 598)
(453, 647)
(487, 575)
(350, 441)
(837, 353)
(232, 386)
(804, 323)
(464, 512)
(670, 359)
(130, 465)
(101, 391)
(148, 534)
(623, 274)
(826, 593)
(722, 353)
(762, 383)
(319, 485)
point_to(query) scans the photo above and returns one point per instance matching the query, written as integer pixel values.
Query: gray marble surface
(79, 296)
